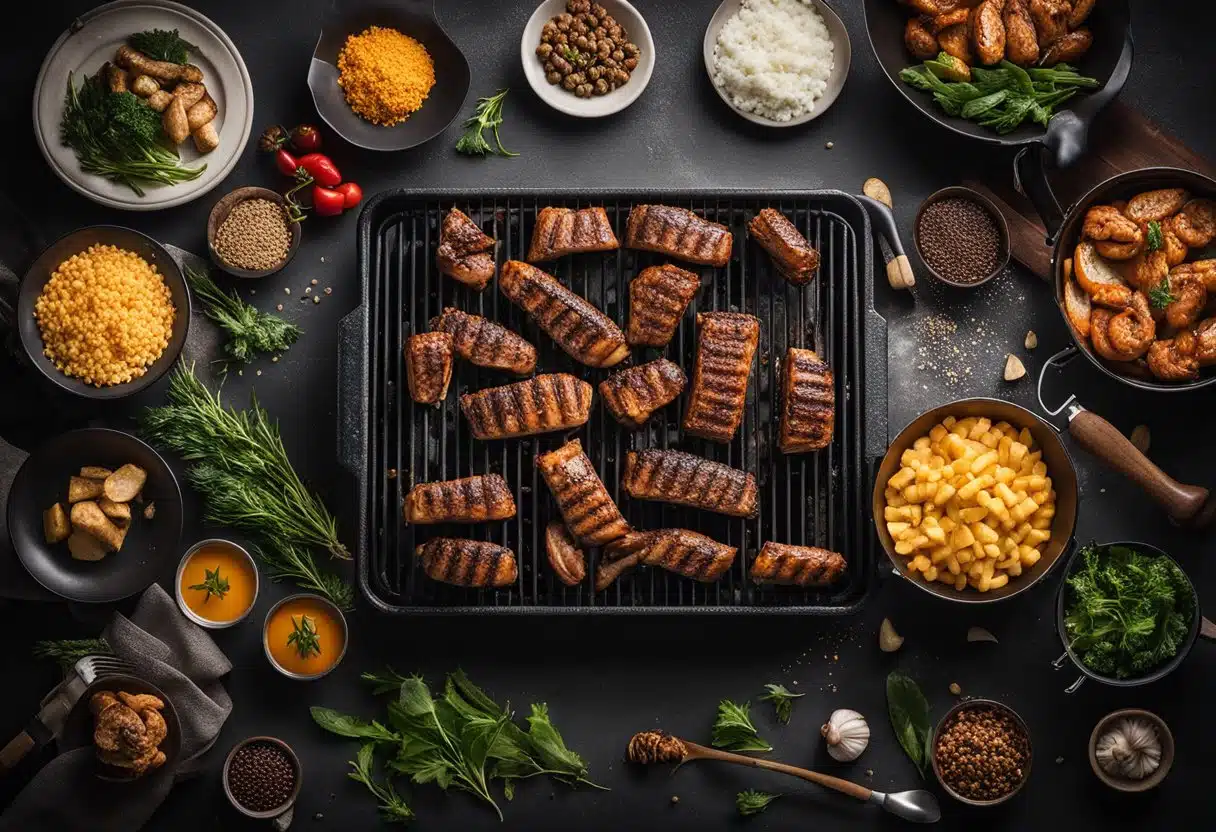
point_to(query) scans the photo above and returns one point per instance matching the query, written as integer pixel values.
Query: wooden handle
(899, 273)
(15, 751)
(1103, 440)
(701, 752)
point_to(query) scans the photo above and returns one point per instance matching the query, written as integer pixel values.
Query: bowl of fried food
(131, 725)
(975, 500)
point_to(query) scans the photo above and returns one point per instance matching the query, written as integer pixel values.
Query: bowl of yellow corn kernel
(104, 312)
(976, 500)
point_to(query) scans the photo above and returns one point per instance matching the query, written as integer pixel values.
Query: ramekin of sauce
(217, 583)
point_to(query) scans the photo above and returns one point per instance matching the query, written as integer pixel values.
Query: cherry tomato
(321, 169)
(327, 202)
(351, 194)
(306, 138)
(285, 162)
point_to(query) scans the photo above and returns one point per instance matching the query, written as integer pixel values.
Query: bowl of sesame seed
(249, 233)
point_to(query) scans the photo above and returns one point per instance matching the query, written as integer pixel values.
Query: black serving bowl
(78, 729)
(40, 273)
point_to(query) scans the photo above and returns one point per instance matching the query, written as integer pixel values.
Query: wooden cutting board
(1121, 139)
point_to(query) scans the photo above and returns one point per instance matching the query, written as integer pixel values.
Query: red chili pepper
(306, 138)
(285, 162)
(327, 202)
(351, 194)
(321, 169)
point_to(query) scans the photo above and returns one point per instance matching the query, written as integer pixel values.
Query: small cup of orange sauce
(217, 583)
(304, 636)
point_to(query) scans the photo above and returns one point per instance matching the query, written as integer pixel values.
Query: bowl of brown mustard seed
(961, 237)
(981, 752)
(249, 233)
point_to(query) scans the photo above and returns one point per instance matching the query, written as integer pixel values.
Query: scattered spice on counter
(385, 75)
(959, 240)
(261, 776)
(254, 235)
(982, 753)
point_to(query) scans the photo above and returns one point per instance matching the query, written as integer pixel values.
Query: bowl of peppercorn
(961, 237)
(250, 233)
(981, 752)
(262, 777)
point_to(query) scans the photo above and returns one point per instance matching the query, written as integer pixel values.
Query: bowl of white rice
(777, 62)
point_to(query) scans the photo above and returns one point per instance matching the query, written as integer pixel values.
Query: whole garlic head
(1130, 749)
(847, 734)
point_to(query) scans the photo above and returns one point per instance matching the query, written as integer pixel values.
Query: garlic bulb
(1129, 749)
(847, 734)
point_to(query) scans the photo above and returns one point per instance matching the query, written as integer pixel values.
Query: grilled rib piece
(678, 233)
(561, 231)
(658, 297)
(634, 394)
(689, 480)
(725, 346)
(568, 561)
(555, 401)
(808, 403)
(460, 562)
(793, 255)
(469, 500)
(583, 331)
(482, 342)
(681, 551)
(590, 515)
(428, 366)
(786, 565)
(464, 250)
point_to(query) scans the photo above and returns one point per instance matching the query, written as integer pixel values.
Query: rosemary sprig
(487, 115)
(250, 331)
(212, 584)
(66, 652)
(304, 636)
(782, 699)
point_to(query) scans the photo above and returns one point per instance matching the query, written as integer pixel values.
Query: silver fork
(57, 704)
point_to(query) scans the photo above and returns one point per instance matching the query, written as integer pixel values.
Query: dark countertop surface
(605, 679)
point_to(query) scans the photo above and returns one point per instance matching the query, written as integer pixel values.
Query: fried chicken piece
(1069, 48)
(141, 701)
(921, 43)
(786, 565)
(1190, 297)
(468, 563)
(568, 561)
(482, 342)
(1174, 359)
(477, 499)
(1080, 12)
(1050, 21)
(726, 343)
(1156, 205)
(1195, 224)
(634, 394)
(689, 480)
(1132, 331)
(428, 365)
(464, 250)
(1021, 39)
(793, 255)
(988, 31)
(658, 297)
(561, 231)
(541, 404)
(956, 42)
(590, 514)
(680, 233)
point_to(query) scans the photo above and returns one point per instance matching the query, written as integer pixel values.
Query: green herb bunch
(734, 731)
(251, 332)
(487, 116)
(1126, 612)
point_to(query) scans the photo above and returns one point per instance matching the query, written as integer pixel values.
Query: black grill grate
(812, 499)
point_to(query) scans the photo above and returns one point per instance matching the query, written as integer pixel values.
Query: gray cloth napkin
(178, 657)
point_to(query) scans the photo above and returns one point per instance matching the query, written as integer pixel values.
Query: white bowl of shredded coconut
(777, 62)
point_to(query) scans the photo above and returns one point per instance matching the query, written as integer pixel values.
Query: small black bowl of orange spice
(981, 752)
(961, 237)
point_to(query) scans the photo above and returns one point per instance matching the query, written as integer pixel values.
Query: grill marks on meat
(470, 563)
(689, 480)
(428, 365)
(786, 565)
(584, 332)
(808, 403)
(544, 403)
(793, 255)
(562, 231)
(464, 250)
(568, 561)
(469, 500)
(726, 344)
(482, 342)
(678, 233)
(590, 514)
(681, 551)
(634, 394)
(658, 297)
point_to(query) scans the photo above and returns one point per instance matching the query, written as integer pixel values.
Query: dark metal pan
(1064, 140)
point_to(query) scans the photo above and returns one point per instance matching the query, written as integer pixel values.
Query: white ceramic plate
(597, 105)
(90, 42)
(842, 53)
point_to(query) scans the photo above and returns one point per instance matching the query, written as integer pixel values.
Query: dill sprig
(487, 115)
(66, 652)
(250, 331)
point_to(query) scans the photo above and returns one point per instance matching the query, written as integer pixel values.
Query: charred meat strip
(808, 403)
(795, 258)
(561, 231)
(590, 515)
(482, 342)
(786, 565)
(469, 500)
(428, 365)
(658, 297)
(678, 233)
(633, 394)
(689, 480)
(725, 346)
(584, 332)
(544, 403)
(681, 551)
(464, 250)
(473, 563)
(568, 561)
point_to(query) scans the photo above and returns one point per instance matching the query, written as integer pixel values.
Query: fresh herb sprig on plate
(212, 584)
(909, 712)
(162, 45)
(733, 729)
(66, 652)
(487, 116)
(251, 332)
(782, 699)
(752, 802)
